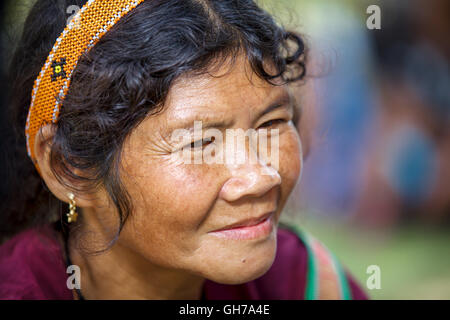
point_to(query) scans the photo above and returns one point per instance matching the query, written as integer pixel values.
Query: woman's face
(181, 209)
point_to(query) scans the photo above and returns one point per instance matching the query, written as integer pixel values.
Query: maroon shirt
(32, 266)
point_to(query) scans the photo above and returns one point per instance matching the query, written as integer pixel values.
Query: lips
(245, 223)
(247, 229)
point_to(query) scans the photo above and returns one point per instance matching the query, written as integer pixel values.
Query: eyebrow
(209, 120)
(284, 100)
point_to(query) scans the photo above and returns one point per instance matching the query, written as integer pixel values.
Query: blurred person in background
(407, 175)
(337, 106)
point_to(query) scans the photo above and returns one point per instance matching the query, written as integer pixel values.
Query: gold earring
(72, 215)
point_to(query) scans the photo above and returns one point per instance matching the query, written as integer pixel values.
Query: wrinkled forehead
(233, 88)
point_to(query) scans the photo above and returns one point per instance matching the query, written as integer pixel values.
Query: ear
(42, 147)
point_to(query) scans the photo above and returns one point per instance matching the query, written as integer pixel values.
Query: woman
(101, 104)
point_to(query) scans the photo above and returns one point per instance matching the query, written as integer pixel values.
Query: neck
(121, 273)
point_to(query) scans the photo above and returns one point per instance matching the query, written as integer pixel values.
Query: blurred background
(376, 131)
(376, 128)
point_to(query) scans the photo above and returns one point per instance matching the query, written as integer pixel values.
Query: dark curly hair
(123, 79)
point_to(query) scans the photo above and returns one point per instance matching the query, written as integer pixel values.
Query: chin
(244, 264)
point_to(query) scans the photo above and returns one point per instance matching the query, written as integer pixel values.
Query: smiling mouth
(248, 229)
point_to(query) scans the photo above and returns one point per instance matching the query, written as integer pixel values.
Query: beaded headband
(86, 28)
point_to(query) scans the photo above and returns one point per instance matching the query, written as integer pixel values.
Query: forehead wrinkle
(212, 117)
(209, 98)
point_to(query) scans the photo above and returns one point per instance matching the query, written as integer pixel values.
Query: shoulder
(323, 275)
(32, 266)
(294, 274)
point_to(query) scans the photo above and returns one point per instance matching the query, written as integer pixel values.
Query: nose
(249, 179)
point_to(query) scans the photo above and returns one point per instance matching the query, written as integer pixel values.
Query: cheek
(170, 202)
(188, 192)
(290, 163)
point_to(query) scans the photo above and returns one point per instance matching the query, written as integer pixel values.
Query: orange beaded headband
(81, 34)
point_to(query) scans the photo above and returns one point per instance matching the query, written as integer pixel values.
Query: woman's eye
(201, 143)
(272, 123)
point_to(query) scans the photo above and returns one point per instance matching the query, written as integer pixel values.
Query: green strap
(312, 276)
(312, 281)
(346, 293)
